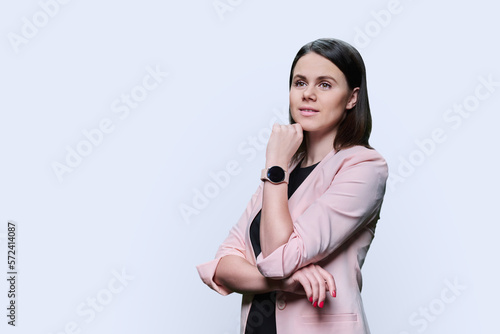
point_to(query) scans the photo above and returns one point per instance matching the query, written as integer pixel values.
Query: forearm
(238, 275)
(276, 225)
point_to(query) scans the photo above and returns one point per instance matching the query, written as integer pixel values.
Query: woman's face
(319, 95)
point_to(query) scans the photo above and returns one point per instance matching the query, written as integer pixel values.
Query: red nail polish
(311, 299)
(315, 304)
(321, 305)
(334, 293)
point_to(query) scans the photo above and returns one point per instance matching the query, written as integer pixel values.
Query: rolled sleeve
(234, 244)
(351, 202)
(207, 272)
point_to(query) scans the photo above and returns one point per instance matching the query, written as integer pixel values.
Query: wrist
(275, 284)
(274, 174)
(283, 163)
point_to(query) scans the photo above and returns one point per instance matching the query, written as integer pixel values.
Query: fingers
(330, 281)
(306, 284)
(321, 288)
(295, 128)
(283, 143)
(313, 285)
(316, 281)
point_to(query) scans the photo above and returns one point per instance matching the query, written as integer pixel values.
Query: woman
(294, 245)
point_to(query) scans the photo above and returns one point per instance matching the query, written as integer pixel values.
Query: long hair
(356, 127)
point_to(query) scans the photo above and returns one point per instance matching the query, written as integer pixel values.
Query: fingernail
(321, 305)
(315, 304)
(334, 293)
(311, 299)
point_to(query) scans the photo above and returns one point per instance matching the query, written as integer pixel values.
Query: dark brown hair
(356, 127)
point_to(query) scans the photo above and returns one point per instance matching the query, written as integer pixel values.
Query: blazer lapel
(313, 186)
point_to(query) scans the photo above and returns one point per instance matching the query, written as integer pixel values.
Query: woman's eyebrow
(322, 77)
(327, 77)
(299, 76)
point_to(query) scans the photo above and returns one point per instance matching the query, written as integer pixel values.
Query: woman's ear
(353, 99)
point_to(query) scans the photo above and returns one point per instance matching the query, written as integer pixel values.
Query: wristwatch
(274, 174)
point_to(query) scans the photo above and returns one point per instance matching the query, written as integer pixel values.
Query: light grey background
(117, 213)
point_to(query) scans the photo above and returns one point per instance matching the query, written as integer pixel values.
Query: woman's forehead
(312, 66)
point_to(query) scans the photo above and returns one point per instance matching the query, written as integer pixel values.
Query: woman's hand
(283, 143)
(313, 281)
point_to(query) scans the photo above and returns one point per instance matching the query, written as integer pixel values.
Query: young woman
(297, 251)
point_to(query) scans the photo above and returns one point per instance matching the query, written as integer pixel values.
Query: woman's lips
(308, 111)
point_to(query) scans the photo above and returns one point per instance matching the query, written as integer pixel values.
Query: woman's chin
(306, 126)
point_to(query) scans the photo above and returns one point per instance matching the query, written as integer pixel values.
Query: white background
(119, 209)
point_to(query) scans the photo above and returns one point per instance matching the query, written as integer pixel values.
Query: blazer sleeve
(234, 244)
(353, 199)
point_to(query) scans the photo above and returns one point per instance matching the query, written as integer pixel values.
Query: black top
(262, 316)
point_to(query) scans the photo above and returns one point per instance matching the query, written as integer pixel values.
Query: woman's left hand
(313, 281)
(283, 143)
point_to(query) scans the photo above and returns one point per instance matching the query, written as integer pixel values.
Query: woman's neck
(318, 146)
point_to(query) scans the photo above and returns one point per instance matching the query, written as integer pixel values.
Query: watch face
(276, 174)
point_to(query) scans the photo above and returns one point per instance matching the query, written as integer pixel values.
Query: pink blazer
(334, 212)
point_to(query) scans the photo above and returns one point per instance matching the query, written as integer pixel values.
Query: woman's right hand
(313, 281)
(283, 142)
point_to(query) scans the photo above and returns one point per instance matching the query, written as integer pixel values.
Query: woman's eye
(325, 85)
(299, 83)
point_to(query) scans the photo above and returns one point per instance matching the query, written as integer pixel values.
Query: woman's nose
(309, 93)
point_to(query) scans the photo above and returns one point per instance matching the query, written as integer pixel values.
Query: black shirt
(262, 316)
